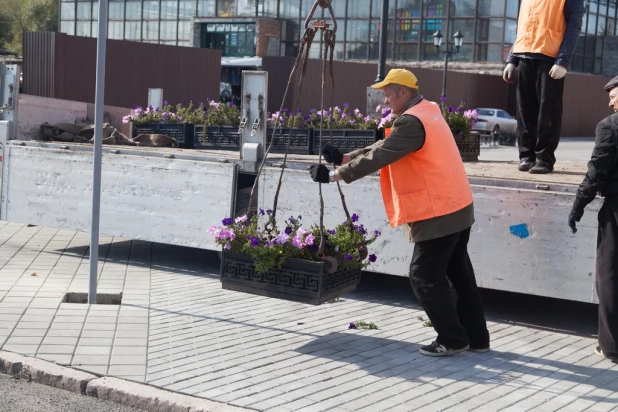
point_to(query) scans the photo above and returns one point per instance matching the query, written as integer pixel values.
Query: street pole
(383, 42)
(445, 71)
(97, 152)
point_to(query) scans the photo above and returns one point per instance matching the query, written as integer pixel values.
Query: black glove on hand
(319, 173)
(332, 155)
(575, 216)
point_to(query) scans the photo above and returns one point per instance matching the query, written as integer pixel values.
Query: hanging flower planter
(286, 264)
(296, 280)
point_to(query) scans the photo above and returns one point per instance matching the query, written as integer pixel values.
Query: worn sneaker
(437, 349)
(600, 352)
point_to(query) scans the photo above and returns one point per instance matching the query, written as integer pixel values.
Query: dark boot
(541, 168)
(526, 164)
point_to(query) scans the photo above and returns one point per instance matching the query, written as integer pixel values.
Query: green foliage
(270, 248)
(361, 324)
(19, 16)
(459, 120)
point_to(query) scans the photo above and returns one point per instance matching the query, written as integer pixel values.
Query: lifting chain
(3, 107)
(328, 39)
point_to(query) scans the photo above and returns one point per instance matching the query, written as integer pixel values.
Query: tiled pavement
(177, 329)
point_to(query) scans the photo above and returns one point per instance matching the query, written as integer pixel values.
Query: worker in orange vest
(547, 33)
(425, 189)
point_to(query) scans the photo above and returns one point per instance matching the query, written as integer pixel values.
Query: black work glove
(575, 216)
(332, 155)
(319, 173)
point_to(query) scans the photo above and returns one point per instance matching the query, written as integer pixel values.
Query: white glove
(509, 73)
(557, 72)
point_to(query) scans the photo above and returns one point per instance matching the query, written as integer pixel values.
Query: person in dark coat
(602, 178)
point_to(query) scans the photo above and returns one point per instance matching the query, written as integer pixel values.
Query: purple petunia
(451, 109)
(255, 242)
(373, 258)
(346, 104)
(262, 212)
(164, 102)
(352, 326)
(355, 217)
(443, 99)
(347, 256)
(331, 232)
(270, 212)
(377, 233)
(228, 221)
(288, 230)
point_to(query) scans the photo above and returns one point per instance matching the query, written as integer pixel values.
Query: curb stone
(43, 372)
(116, 390)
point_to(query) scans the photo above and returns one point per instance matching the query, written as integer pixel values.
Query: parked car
(495, 120)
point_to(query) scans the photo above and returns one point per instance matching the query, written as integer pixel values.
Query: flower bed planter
(469, 146)
(217, 138)
(346, 140)
(300, 144)
(183, 133)
(297, 280)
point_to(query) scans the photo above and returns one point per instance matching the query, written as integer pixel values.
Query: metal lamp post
(437, 42)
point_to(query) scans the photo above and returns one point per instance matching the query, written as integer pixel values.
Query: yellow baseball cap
(398, 76)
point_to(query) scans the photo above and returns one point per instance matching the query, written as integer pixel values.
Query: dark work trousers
(434, 263)
(607, 276)
(539, 103)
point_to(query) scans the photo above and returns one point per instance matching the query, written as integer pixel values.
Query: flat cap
(611, 84)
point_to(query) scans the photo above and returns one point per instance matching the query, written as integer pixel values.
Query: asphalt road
(22, 396)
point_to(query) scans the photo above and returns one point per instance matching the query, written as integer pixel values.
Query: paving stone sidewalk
(177, 329)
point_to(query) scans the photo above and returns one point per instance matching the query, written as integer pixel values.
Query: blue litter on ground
(521, 230)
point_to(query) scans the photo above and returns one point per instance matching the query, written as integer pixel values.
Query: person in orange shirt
(547, 32)
(425, 189)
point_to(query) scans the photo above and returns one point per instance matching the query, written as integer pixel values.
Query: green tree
(19, 16)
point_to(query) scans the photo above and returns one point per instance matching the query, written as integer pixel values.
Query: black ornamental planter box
(300, 143)
(346, 140)
(182, 132)
(297, 280)
(469, 146)
(217, 138)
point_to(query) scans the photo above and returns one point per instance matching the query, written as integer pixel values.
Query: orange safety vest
(430, 182)
(541, 27)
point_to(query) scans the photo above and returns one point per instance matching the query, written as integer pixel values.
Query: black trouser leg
(428, 276)
(469, 306)
(550, 114)
(527, 108)
(539, 102)
(607, 277)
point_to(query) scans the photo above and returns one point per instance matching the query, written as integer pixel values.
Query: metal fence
(61, 66)
(64, 67)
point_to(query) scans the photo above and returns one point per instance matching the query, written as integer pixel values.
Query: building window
(151, 10)
(233, 39)
(116, 10)
(67, 11)
(134, 10)
(115, 30)
(226, 8)
(169, 9)
(206, 8)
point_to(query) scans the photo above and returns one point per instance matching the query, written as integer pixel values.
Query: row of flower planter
(304, 141)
